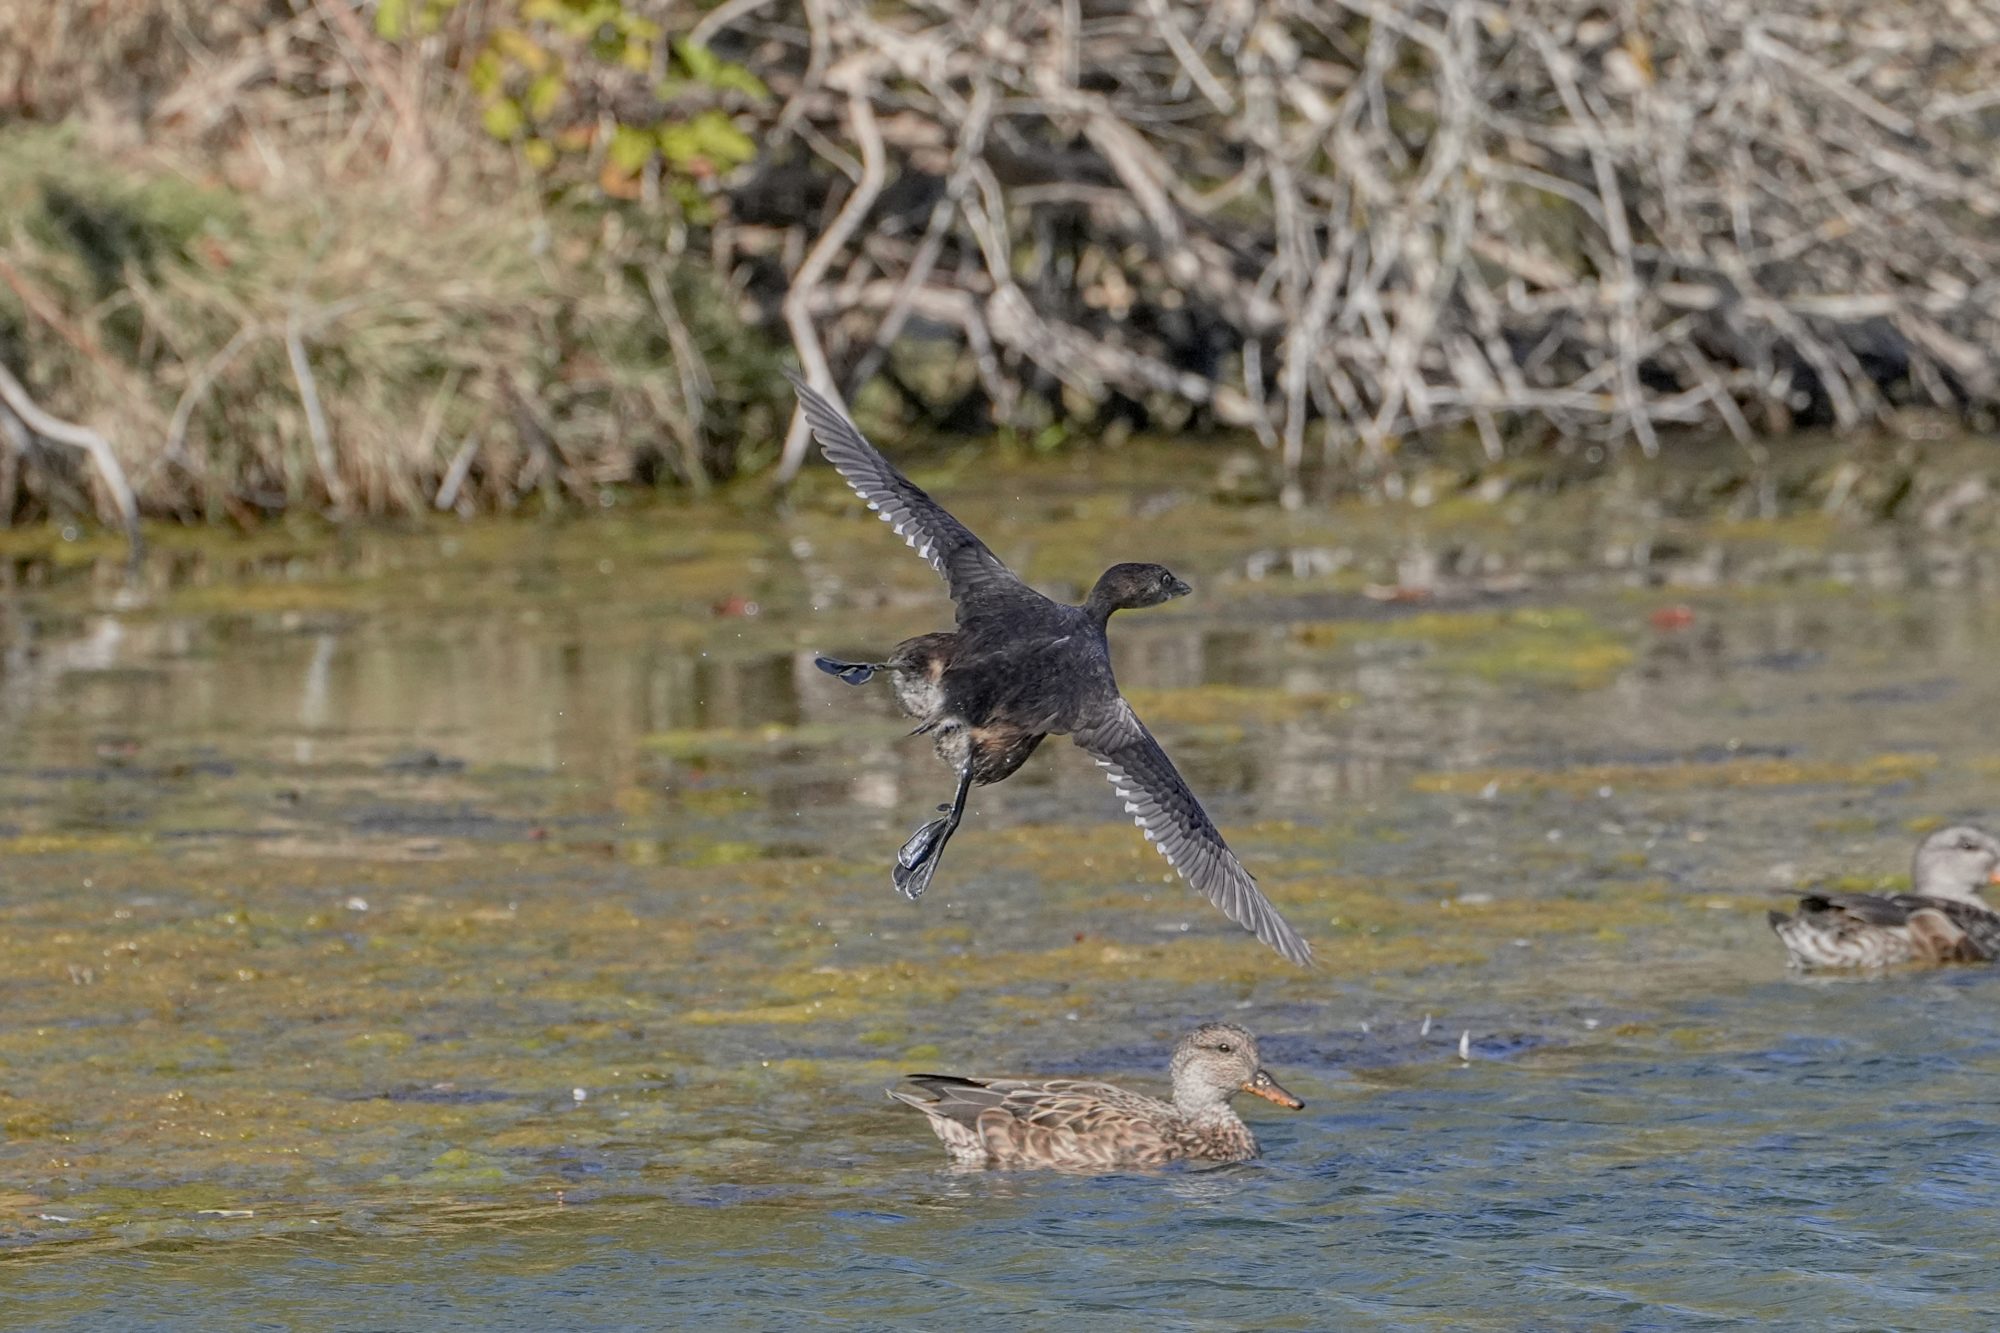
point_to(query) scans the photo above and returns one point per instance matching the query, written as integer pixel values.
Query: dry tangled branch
(22, 419)
(286, 254)
(1360, 220)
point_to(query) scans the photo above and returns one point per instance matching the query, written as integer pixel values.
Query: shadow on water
(494, 924)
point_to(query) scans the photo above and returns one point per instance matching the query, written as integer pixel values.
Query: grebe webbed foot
(853, 673)
(918, 859)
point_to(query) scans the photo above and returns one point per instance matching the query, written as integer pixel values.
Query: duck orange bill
(1996, 875)
(1263, 1085)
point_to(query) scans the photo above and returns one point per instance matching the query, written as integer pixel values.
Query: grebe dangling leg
(918, 859)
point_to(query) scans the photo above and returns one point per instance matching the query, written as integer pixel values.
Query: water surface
(491, 924)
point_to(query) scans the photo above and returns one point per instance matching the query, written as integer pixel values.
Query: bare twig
(723, 16)
(805, 283)
(317, 430)
(109, 471)
(456, 473)
(198, 387)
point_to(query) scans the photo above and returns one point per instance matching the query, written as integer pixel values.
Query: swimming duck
(1942, 920)
(1078, 1126)
(1021, 667)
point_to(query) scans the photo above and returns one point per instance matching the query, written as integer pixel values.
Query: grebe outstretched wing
(970, 570)
(1160, 802)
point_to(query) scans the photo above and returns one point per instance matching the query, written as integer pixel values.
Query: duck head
(1956, 862)
(1214, 1063)
(1128, 587)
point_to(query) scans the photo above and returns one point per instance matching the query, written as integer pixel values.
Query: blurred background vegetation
(358, 257)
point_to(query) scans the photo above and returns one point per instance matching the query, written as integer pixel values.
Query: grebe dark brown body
(1021, 667)
(917, 672)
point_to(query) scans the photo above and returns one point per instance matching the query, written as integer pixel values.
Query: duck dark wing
(1061, 1123)
(954, 1098)
(970, 570)
(1863, 909)
(1173, 820)
(1942, 930)
(1070, 1104)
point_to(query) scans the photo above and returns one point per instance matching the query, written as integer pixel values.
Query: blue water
(390, 968)
(1830, 1168)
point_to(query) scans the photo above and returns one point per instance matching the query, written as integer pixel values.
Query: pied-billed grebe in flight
(1021, 667)
(1943, 919)
(1077, 1126)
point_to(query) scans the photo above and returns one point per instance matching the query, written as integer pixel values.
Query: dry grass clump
(251, 353)
(301, 276)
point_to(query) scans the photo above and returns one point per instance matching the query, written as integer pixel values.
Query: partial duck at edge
(1943, 919)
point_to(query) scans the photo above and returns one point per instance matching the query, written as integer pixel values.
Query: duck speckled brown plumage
(1021, 667)
(1073, 1125)
(1943, 919)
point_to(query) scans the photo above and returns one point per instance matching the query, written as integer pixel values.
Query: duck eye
(1968, 845)
(1225, 1048)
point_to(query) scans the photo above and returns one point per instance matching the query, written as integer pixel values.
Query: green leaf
(693, 204)
(392, 18)
(706, 67)
(503, 119)
(517, 46)
(544, 93)
(591, 20)
(630, 149)
(710, 138)
(741, 80)
(701, 62)
(487, 72)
